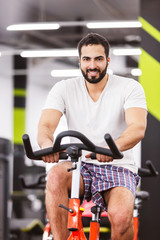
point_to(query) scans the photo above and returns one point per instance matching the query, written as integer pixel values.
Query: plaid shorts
(98, 179)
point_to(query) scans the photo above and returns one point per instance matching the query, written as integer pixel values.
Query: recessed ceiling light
(115, 24)
(33, 26)
(50, 53)
(136, 72)
(127, 51)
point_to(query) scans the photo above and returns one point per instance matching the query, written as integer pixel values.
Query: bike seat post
(96, 213)
(95, 223)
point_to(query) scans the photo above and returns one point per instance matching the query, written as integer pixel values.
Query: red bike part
(46, 232)
(77, 235)
(94, 231)
(74, 220)
(135, 225)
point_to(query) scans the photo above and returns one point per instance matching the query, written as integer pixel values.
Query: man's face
(93, 63)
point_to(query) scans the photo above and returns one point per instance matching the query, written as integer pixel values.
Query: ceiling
(25, 11)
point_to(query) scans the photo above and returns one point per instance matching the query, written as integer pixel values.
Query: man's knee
(121, 220)
(58, 177)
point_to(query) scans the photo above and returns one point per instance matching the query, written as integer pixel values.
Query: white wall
(6, 97)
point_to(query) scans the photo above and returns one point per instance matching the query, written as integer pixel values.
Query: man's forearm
(130, 137)
(45, 137)
(47, 125)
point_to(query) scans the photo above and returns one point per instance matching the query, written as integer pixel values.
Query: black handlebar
(85, 145)
(39, 182)
(150, 171)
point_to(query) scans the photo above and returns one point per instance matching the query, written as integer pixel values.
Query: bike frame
(75, 211)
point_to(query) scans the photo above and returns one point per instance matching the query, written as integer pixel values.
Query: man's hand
(101, 158)
(53, 158)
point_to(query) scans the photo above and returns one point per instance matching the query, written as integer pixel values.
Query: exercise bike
(74, 151)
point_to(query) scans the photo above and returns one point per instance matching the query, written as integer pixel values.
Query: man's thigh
(119, 199)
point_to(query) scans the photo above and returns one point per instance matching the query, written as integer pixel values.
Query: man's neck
(95, 90)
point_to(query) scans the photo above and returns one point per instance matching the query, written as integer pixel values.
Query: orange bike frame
(135, 226)
(75, 223)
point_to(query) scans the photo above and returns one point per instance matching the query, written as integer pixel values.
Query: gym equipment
(5, 186)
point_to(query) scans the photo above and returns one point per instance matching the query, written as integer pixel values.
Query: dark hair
(94, 38)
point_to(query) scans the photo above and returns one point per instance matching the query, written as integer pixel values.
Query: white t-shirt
(94, 119)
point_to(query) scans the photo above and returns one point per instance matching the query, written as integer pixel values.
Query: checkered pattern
(99, 178)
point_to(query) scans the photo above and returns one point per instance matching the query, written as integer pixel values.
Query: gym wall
(150, 80)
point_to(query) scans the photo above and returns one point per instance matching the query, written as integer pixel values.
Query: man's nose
(92, 64)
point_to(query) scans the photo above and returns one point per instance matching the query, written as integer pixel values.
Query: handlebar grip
(37, 155)
(28, 147)
(142, 195)
(150, 171)
(152, 168)
(39, 183)
(63, 155)
(93, 156)
(115, 151)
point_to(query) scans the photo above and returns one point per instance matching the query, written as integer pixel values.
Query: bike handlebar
(39, 182)
(85, 145)
(150, 171)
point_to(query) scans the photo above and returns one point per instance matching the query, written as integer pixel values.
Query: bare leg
(57, 191)
(120, 202)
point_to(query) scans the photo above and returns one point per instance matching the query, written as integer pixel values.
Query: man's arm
(47, 125)
(136, 120)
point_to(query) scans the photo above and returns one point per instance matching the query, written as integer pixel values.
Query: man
(95, 104)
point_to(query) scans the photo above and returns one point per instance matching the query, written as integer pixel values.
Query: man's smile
(93, 72)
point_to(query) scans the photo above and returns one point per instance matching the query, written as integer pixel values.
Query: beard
(93, 79)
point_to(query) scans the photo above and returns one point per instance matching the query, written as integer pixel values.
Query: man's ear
(108, 59)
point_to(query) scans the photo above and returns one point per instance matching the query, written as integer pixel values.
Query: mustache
(93, 70)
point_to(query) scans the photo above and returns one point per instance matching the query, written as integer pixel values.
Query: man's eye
(99, 59)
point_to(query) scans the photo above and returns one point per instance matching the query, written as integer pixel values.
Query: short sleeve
(56, 97)
(135, 96)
